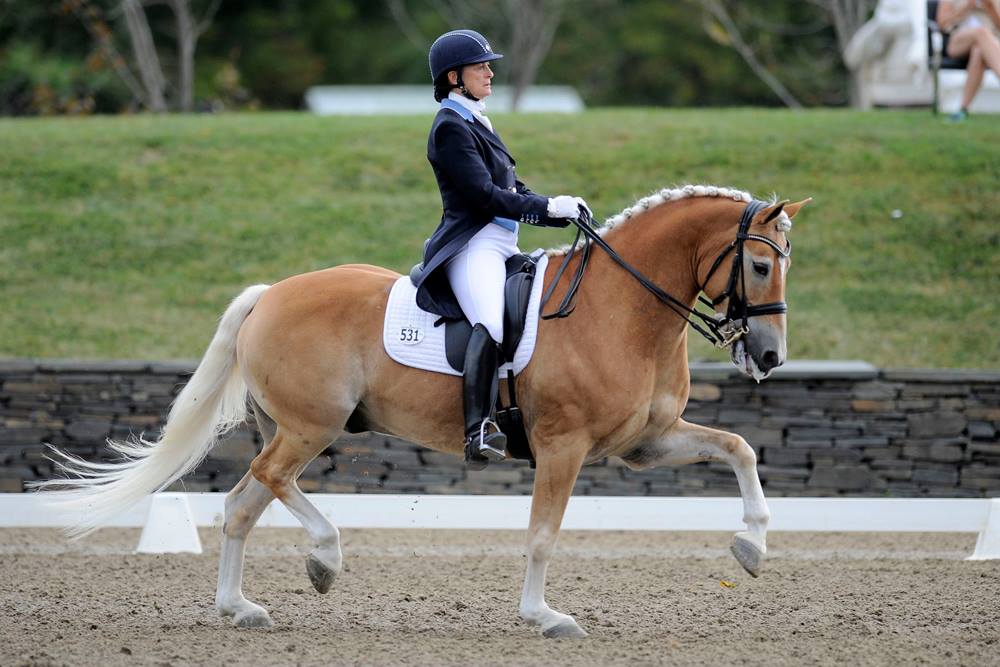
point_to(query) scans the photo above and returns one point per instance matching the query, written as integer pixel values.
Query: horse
(306, 356)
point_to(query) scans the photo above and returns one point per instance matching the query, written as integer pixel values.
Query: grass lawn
(126, 236)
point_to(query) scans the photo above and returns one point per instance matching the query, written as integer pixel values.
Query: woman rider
(463, 271)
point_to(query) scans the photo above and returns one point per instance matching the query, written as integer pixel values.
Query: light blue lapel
(465, 113)
(457, 108)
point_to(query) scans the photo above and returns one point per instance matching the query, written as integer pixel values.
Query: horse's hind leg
(277, 468)
(687, 443)
(244, 505)
(556, 473)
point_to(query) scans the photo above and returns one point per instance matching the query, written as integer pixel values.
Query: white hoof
(253, 618)
(747, 553)
(567, 628)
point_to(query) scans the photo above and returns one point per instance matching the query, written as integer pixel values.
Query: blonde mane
(665, 195)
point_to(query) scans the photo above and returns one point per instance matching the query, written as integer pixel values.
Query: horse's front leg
(558, 463)
(685, 443)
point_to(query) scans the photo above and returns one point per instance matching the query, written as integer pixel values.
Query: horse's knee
(741, 452)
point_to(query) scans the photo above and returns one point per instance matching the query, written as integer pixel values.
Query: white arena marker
(988, 544)
(170, 528)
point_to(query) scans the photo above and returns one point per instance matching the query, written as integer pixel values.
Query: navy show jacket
(475, 173)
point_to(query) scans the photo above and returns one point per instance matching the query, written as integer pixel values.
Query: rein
(720, 330)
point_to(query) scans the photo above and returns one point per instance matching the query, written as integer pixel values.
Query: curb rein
(720, 330)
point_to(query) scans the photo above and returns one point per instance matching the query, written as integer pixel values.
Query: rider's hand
(567, 207)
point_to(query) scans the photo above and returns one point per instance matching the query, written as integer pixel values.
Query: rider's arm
(458, 157)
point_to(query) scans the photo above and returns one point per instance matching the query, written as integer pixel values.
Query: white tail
(213, 402)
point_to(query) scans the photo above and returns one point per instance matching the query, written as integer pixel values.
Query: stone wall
(819, 429)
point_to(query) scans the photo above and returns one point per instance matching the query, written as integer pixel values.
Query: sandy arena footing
(426, 597)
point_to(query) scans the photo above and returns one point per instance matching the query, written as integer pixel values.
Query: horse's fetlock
(532, 615)
(328, 537)
(757, 519)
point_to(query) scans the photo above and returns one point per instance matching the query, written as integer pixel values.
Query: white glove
(565, 206)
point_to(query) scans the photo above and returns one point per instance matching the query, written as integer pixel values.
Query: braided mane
(674, 194)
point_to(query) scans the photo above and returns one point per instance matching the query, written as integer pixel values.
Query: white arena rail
(169, 519)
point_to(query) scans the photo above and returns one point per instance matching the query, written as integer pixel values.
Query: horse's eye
(760, 268)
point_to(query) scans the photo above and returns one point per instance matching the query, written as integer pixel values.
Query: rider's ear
(792, 209)
(771, 212)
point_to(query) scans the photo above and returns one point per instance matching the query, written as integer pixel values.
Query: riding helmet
(459, 47)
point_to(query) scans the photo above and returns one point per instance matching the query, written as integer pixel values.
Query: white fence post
(170, 527)
(988, 544)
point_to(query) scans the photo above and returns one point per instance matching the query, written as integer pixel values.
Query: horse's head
(750, 296)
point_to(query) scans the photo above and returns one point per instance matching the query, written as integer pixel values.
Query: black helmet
(456, 48)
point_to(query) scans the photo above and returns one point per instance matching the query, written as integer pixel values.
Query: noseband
(720, 330)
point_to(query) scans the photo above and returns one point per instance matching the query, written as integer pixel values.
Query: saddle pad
(410, 337)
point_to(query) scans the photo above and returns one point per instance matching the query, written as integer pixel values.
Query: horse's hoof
(320, 575)
(253, 618)
(567, 629)
(747, 554)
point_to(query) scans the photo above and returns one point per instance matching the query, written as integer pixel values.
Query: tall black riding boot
(484, 442)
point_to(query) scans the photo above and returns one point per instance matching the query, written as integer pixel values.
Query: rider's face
(477, 79)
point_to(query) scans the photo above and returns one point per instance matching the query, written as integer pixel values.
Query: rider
(463, 271)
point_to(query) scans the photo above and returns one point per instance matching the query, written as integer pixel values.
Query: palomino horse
(612, 380)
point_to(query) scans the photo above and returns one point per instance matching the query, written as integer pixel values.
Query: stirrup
(488, 446)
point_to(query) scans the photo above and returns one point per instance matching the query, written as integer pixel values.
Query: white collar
(476, 107)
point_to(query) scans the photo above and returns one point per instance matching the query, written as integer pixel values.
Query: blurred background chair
(899, 59)
(937, 43)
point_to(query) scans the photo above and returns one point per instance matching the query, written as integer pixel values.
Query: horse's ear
(771, 212)
(792, 209)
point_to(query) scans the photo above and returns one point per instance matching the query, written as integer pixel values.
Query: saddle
(517, 293)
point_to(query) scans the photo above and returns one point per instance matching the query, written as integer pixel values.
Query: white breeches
(477, 275)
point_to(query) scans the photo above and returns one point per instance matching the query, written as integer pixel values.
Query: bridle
(720, 330)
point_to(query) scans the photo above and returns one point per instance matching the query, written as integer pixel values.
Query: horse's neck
(663, 245)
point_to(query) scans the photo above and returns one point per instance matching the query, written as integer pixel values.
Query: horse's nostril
(771, 359)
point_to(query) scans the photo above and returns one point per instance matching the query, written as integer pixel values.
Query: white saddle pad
(410, 337)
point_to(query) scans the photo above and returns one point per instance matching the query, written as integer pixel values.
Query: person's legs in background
(983, 49)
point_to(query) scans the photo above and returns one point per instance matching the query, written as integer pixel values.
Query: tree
(188, 32)
(847, 17)
(731, 34)
(532, 25)
(151, 86)
(144, 52)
